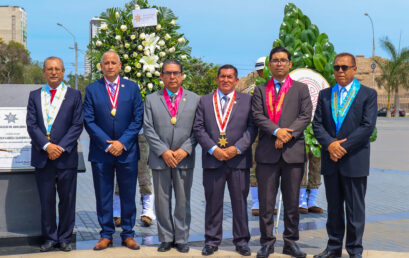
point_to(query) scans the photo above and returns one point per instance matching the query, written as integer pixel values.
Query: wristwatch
(238, 151)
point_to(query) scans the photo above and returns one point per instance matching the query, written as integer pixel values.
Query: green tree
(83, 81)
(395, 72)
(13, 57)
(33, 74)
(200, 76)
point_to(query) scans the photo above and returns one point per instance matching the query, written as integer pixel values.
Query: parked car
(382, 112)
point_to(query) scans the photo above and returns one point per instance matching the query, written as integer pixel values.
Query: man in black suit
(344, 120)
(54, 123)
(224, 128)
(281, 110)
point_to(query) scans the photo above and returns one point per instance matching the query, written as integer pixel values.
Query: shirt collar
(171, 93)
(221, 94)
(277, 81)
(58, 87)
(115, 81)
(348, 87)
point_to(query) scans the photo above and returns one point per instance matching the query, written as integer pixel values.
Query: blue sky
(222, 31)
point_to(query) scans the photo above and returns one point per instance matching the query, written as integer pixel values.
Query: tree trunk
(388, 109)
(397, 102)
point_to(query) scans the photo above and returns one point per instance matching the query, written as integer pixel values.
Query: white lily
(127, 69)
(167, 37)
(124, 28)
(147, 52)
(151, 42)
(149, 63)
(142, 36)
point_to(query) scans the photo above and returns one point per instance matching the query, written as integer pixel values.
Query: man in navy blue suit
(343, 123)
(113, 114)
(54, 123)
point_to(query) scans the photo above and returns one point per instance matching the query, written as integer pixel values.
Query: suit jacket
(357, 127)
(162, 135)
(102, 126)
(240, 131)
(296, 114)
(66, 129)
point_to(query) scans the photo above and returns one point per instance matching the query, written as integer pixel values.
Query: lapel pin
(184, 99)
(235, 102)
(122, 85)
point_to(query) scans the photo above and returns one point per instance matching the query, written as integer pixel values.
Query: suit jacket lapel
(38, 99)
(162, 98)
(182, 104)
(105, 96)
(235, 106)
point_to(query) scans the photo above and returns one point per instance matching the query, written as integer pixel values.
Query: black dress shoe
(265, 251)
(243, 250)
(329, 254)
(294, 251)
(355, 256)
(209, 250)
(165, 246)
(47, 246)
(183, 248)
(66, 247)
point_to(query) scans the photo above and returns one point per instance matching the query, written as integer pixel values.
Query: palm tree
(395, 72)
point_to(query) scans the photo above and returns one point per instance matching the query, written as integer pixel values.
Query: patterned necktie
(224, 106)
(172, 99)
(112, 88)
(278, 87)
(343, 94)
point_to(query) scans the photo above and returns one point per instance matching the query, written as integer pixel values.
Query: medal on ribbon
(274, 106)
(222, 119)
(173, 110)
(50, 109)
(113, 99)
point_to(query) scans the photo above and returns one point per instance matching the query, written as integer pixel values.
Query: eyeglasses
(170, 73)
(282, 60)
(343, 67)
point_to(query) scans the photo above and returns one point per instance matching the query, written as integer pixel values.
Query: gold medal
(113, 112)
(173, 120)
(222, 140)
(48, 137)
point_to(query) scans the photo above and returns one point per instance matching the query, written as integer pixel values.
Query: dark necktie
(52, 95)
(278, 87)
(172, 99)
(226, 101)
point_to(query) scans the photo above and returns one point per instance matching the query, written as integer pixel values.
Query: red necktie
(52, 95)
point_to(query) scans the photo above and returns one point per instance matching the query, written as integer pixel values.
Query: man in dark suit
(224, 128)
(344, 120)
(281, 110)
(54, 123)
(113, 114)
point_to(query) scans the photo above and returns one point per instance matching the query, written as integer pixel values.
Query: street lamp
(373, 51)
(76, 54)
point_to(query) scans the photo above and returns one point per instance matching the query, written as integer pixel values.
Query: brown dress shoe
(117, 221)
(315, 209)
(146, 221)
(275, 211)
(102, 244)
(302, 210)
(131, 243)
(255, 212)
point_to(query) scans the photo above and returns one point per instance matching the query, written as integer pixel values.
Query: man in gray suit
(281, 110)
(225, 130)
(168, 119)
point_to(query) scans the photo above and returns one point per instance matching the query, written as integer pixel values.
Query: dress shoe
(66, 247)
(329, 254)
(265, 251)
(209, 250)
(146, 221)
(355, 256)
(302, 210)
(275, 211)
(294, 251)
(165, 246)
(47, 246)
(243, 250)
(255, 212)
(315, 209)
(102, 244)
(131, 243)
(117, 221)
(183, 248)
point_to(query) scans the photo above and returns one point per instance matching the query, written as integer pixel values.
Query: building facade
(94, 28)
(13, 24)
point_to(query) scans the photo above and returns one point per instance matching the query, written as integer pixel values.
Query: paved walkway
(387, 211)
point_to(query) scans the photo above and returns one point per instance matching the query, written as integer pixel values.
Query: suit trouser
(103, 175)
(214, 182)
(268, 177)
(351, 191)
(173, 228)
(49, 180)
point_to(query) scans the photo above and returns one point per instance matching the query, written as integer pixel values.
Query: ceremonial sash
(113, 99)
(222, 119)
(173, 109)
(48, 109)
(340, 110)
(274, 107)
